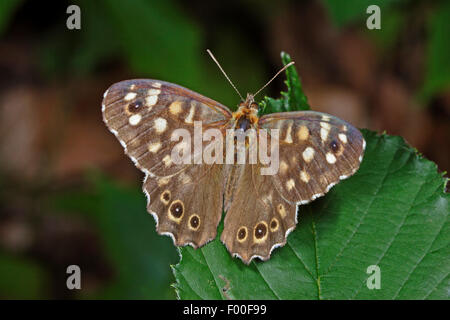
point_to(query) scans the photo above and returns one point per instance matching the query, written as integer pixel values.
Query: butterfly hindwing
(266, 220)
(187, 206)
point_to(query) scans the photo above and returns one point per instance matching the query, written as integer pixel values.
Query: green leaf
(292, 100)
(157, 38)
(393, 213)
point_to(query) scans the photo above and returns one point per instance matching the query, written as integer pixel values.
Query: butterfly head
(247, 114)
(249, 102)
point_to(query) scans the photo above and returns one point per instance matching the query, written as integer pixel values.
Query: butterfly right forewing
(316, 151)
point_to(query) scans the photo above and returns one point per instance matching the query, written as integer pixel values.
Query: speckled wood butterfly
(316, 150)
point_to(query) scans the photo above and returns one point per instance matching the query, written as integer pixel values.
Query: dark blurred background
(68, 194)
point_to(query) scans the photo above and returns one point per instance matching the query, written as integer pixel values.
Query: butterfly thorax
(246, 116)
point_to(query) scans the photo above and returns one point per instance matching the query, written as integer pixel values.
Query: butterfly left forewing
(184, 198)
(143, 115)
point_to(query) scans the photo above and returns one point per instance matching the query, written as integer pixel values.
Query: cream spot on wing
(325, 125)
(185, 179)
(132, 87)
(331, 158)
(156, 84)
(165, 197)
(267, 198)
(163, 181)
(304, 176)
(283, 167)
(281, 210)
(175, 107)
(303, 133)
(324, 134)
(190, 116)
(344, 128)
(153, 92)
(308, 154)
(130, 96)
(154, 147)
(325, 118)
(135, 119)
(167, 160)
(160, 125)
(288, 138)
(151, 100)
(290, 184)
(342, 137)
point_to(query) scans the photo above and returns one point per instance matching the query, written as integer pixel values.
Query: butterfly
(315, 151)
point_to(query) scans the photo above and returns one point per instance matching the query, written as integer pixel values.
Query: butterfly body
(315, 151)
(246, 116)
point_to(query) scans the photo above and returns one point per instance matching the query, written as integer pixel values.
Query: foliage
(345, 12)
(437, 76)
(393, 213)
(293, 99)
(140, 256)
(393, 19)
(30, 284)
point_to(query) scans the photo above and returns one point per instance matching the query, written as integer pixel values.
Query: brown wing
(187, 206)
(143, 115)
(258, 219)
(316, 150)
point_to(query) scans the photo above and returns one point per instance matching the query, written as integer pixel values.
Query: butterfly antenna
(282, 69)
(224, 73)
